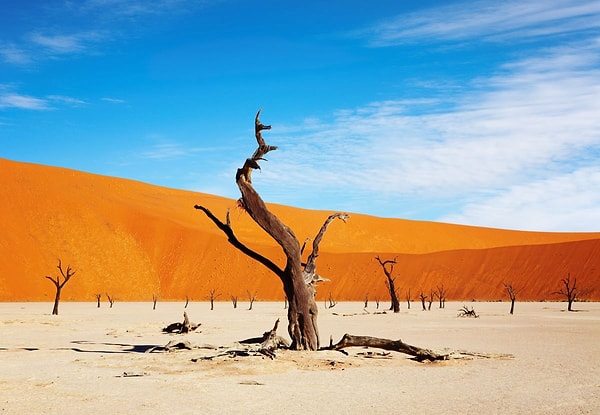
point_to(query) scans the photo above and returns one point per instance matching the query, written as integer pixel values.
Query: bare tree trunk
(418, 353)
(394, 303)
(98, 296)
(570, 291)
(251, 299)
(423, 298)
(59, 285)
(298, 281)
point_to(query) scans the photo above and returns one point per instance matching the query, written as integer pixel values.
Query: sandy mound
(133, 240)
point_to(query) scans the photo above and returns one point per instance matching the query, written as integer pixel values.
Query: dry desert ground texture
(544, 360)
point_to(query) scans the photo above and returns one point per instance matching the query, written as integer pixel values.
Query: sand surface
(90, 360)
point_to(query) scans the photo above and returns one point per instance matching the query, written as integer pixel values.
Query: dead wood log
(183, 327)
(465, 312)
(269, 341)
(419, 354)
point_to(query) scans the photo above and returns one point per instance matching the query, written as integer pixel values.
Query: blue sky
(483, 113)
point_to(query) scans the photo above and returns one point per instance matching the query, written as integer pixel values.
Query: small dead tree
(111, 300)
(183, 327)
(512, 294)
(423, 298)
(187, 301)
(234, 300)
(212, 295)
(154, 300)
(66, 276)
(332, 302)
(366, 300)
(388, 269)
(431, 299)
(251, 299)
(466, 312)
(98, 296)
(569, 291)
(441, 294)
(408, 298)
(377, 303)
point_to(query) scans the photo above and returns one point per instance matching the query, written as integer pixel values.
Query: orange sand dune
(134, 240)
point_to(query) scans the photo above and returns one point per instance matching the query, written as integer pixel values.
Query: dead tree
(110, 299)
(183, 327)
(388, 269)
(299, 279)
(418, 353)
(466, 312)
(234, 300)
(187, 301)
(366, 300)
(441, 293)
(423, 298)
(332, 302)
(570, 291)
(66, 276)
(512, 294)
(154, 300)
(408, 298)
(212, 295)
(377, 303)
(98, 296)
(251, 298)
(431, 299)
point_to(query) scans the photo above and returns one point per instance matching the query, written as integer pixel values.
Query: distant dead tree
(431, 299)
(187, 301)
(512, 294)
(366, 300)
(423, 298)
(251, 298)
(466, 312)
(111, 300)
(408, 298)
(98, 296)
(332, 302)
(388, 269)
(212, 295)
(441, 293)
(66, 276)
(154, 300)
(234, 300)
(569, 291)
(377, 303)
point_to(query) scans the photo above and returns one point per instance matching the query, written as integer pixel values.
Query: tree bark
(394, 303)
(418, 353)
(300, 293)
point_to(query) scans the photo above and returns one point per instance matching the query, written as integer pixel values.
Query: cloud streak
(534, 126)
(488, 21)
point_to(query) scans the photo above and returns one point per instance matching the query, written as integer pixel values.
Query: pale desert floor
(90, 360)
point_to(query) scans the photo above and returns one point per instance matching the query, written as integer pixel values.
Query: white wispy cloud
(61, 44)
(13, 54)
(113, 100)
(487, 20)
(14, 100)
(559, 202)
(71, 101)
(535, 125)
